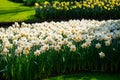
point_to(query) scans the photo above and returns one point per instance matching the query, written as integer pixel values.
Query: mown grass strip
(11, 12)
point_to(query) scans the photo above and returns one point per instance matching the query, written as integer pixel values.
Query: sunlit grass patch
(11, 12)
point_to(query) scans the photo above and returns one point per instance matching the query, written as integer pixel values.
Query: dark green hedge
(78, 13)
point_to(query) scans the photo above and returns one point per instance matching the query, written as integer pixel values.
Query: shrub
(29, 2)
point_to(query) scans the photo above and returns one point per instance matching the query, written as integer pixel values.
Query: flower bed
(34, 51)
(102, 9)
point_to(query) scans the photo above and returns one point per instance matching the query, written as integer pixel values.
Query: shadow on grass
(16, 10)
(16, 1)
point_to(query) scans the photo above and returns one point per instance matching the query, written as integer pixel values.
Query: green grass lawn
(88, 76)
(11, 12)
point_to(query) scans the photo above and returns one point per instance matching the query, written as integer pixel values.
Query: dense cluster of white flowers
(53, 35)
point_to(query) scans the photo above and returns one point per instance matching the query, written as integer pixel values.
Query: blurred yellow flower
(46, 3)
(36, 5)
